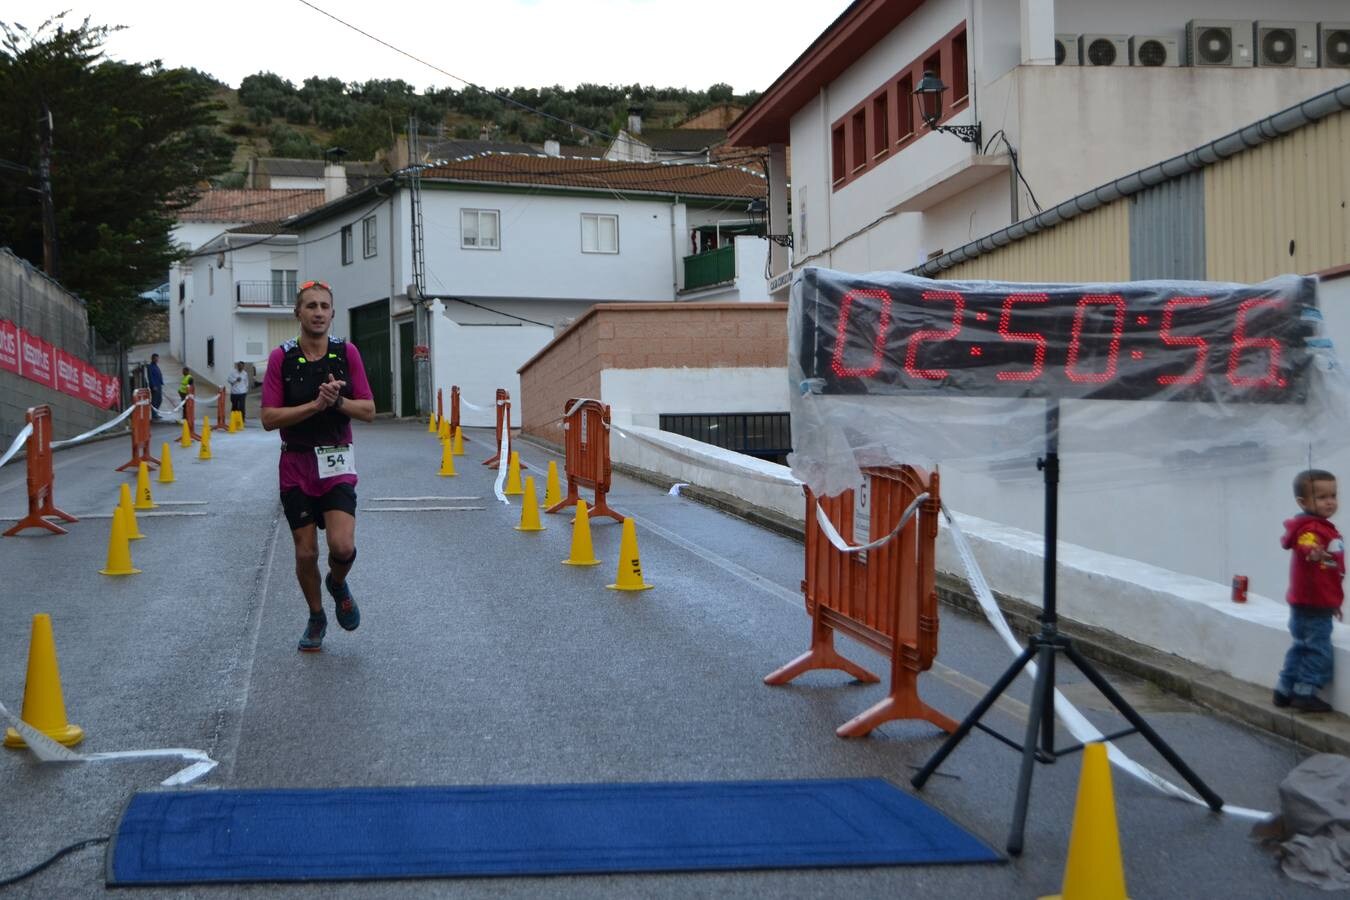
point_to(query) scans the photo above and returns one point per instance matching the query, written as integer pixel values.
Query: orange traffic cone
(1094, 870)
(552, 490)
(629, 577)
(165, 465)
(119, 548)
(143, 498)
(459, 441)
(583, 554)
(529, 509)
(186, 439)
(43, 705)
(447, 461)
(513, 488)
(129, 514)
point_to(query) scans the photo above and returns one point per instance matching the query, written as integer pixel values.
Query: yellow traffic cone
(629, 577)
(447, 461)
(205, 451)
(513, 488)
(1094, 870)
(529, 509)
(583, 554)
(119, 548)
(552, 491)
(129, 512)
(234, 422)
(143, 498)
(44, 707)
(165, 465)
(459, 441)
(186, 439)
(443, 430)
(431, 424)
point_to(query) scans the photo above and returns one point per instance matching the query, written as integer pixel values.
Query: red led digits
(1076, 336)
(1201, 346)
(1038, 362)
(924, 334)
(1241, 342)
(878, 342)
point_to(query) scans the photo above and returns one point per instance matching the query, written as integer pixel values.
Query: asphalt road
(482, 660)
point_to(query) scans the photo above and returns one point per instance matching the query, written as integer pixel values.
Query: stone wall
(40, 306)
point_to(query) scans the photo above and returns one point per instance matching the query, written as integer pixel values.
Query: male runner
(314, 386)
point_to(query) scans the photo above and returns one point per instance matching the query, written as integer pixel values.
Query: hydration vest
(300, 380)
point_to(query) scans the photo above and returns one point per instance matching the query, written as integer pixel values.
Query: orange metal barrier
(503, 421)
(40, 481)
(883, 597)
(140, 431)
(440, 407)
(586, 431)
(190, 413)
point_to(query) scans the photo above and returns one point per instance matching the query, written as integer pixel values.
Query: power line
(502, 97)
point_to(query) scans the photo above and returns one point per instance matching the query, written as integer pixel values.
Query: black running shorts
(302, 509)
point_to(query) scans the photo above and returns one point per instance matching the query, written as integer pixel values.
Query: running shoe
(312, 640)
(348, 614)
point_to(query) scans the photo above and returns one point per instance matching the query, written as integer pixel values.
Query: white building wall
(752, 261)
(640, 396)
(540, 248)
(480, 359)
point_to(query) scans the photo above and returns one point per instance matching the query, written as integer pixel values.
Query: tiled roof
(247, 205)
(692, 180)
(457, 149)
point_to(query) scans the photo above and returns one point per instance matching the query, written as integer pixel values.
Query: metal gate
(370, 334)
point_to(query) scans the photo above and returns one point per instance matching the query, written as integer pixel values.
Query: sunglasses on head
(315, 284)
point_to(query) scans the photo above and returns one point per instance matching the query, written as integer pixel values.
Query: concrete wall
(480, 359)
(42, 307)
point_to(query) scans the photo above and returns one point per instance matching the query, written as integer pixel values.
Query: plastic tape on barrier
(93, 431)
(19, 440)
(48, 750)
(828, 527)
(703, 462)
(675, 488)
(503, 460)
(463, 402)
(1078, 724)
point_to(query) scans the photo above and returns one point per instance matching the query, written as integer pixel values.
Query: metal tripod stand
(1039, 743)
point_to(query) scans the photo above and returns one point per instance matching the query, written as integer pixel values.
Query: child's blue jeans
(1308, 664)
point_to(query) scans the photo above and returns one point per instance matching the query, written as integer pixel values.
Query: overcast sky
(494, 43)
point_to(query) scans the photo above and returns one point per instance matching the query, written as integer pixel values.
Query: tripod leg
(975, 715)
(1214, 801)
(1038, 714)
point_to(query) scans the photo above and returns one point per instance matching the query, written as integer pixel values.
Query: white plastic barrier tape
(503, 461)
(828, 527)
(463, 402)
(48, 750)
(1078, 724)
(19, 440)
(93, 431)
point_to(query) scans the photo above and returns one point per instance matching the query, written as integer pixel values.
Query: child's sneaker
(348, 614)
(312, 640)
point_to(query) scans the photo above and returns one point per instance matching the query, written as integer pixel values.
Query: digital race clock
(890, 333)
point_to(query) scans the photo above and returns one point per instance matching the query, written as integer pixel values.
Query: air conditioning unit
(1154, 50)
(1105, 49)
(1286, 44)
(1218, 42)
(1066, 49)
(1333, 39)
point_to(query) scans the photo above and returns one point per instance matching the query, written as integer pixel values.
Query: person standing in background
(156, 379)
(238, 383)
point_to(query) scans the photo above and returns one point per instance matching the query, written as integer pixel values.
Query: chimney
(552, 148)
(484, 134)
(334, 182)
(635, 120)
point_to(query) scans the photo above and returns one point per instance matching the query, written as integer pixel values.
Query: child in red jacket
(1316, 570)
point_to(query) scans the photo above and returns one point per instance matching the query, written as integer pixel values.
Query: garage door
(370, 334)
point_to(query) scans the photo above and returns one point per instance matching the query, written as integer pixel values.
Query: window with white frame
(599, 233)
(478, 229)
(283, 287)
(368, 236)
(347, 252)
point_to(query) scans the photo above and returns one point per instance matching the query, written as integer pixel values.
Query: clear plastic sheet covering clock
(1149, 380)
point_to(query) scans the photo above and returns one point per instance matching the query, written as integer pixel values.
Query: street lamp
(930, 92)
(758, 212)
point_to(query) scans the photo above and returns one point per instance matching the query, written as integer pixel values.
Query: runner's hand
(330, 391)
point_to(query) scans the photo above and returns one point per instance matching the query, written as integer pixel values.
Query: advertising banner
(9, 347)
(68, 379)
(36, 362)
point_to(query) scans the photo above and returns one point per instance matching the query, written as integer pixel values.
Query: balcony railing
(267, 294)
(714, 267)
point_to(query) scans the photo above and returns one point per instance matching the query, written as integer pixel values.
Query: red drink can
(1239, 588)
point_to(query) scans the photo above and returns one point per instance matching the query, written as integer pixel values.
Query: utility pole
(49, 255)
(417, 291)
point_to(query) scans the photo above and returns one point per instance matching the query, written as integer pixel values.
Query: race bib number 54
(336, 460)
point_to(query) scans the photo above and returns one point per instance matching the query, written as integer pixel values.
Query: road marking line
(376, 509)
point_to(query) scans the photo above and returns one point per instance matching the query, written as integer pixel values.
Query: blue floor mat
(194, 837)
